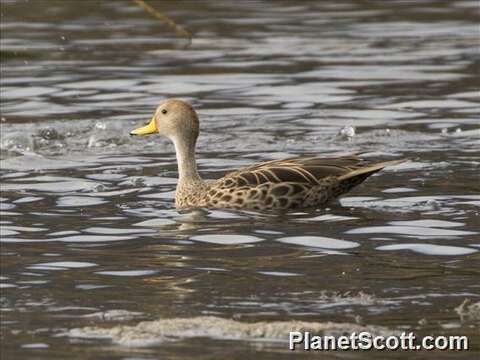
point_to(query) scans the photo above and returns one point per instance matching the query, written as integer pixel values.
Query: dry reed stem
(179, 30)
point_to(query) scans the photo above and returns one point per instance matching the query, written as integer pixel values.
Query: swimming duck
(301, 182)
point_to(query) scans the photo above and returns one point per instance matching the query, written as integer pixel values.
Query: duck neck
(187, 166)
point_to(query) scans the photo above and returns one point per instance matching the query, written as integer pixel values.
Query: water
(89, 233)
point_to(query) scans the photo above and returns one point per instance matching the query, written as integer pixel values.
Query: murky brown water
(89, 234)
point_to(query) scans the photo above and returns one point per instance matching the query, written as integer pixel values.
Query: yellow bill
(151, 128)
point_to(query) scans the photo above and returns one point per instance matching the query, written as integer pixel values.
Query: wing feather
(303, 170)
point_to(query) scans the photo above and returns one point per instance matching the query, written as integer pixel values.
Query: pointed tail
(369, 170)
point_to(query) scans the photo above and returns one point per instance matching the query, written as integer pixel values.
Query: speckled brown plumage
(285, 184)
(302, 182)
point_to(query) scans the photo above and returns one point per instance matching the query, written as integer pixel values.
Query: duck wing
(301, 170)
(292, 183)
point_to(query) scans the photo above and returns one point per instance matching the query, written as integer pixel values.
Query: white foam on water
(150, 333)
(53, 187)
(38, 162)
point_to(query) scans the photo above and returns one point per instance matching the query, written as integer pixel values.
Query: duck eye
(164, 111)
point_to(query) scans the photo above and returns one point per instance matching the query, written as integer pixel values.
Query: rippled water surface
(89, 232)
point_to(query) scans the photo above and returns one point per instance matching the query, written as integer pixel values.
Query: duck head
(174, 119)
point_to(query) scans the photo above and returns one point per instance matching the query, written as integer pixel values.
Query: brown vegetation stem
(172, 24)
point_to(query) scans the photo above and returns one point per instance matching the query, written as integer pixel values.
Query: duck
(292, 183)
